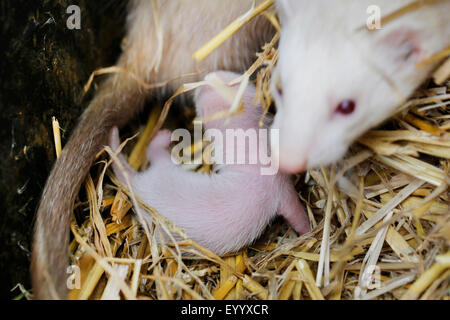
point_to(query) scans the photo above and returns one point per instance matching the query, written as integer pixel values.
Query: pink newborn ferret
(226, 210)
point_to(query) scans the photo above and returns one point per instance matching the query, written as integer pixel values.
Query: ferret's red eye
(346, 107)
(280, 91)
(278, 86)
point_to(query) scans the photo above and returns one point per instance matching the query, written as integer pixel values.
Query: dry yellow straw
(56, 136)
(254, 287)
(223, 290)
(289, 285)
(407, 9)
(427, 277)
(222, 36)
(137, 156)
(443, 73)
(135, 77)
(434, 58)
(310, 283)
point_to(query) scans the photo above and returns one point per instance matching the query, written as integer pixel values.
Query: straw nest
(380, 217)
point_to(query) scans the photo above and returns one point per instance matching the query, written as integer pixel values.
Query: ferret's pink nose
(288, 161)
(291, 166)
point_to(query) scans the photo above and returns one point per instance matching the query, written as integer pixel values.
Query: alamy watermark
(373, 21)
(74, 278)
(228, 147)
(74, 20)
(371, 278)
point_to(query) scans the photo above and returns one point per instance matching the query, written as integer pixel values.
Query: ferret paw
(162, 139)
(159, 143)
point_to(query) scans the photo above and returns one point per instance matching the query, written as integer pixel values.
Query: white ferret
(335, 79)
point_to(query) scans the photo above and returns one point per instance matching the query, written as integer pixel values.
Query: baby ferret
(225, 210)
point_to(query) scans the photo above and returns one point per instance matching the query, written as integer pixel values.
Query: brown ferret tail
(114, 104)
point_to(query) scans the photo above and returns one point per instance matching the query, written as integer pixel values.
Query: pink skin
(222, 211)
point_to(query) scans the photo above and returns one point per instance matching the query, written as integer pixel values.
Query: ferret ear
(404, 45)
(283, 5)
(284, 8)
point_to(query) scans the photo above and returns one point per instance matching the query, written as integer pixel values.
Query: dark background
(43, 68)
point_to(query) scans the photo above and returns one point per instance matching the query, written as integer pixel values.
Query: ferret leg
(292, 210)
(157, 149)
